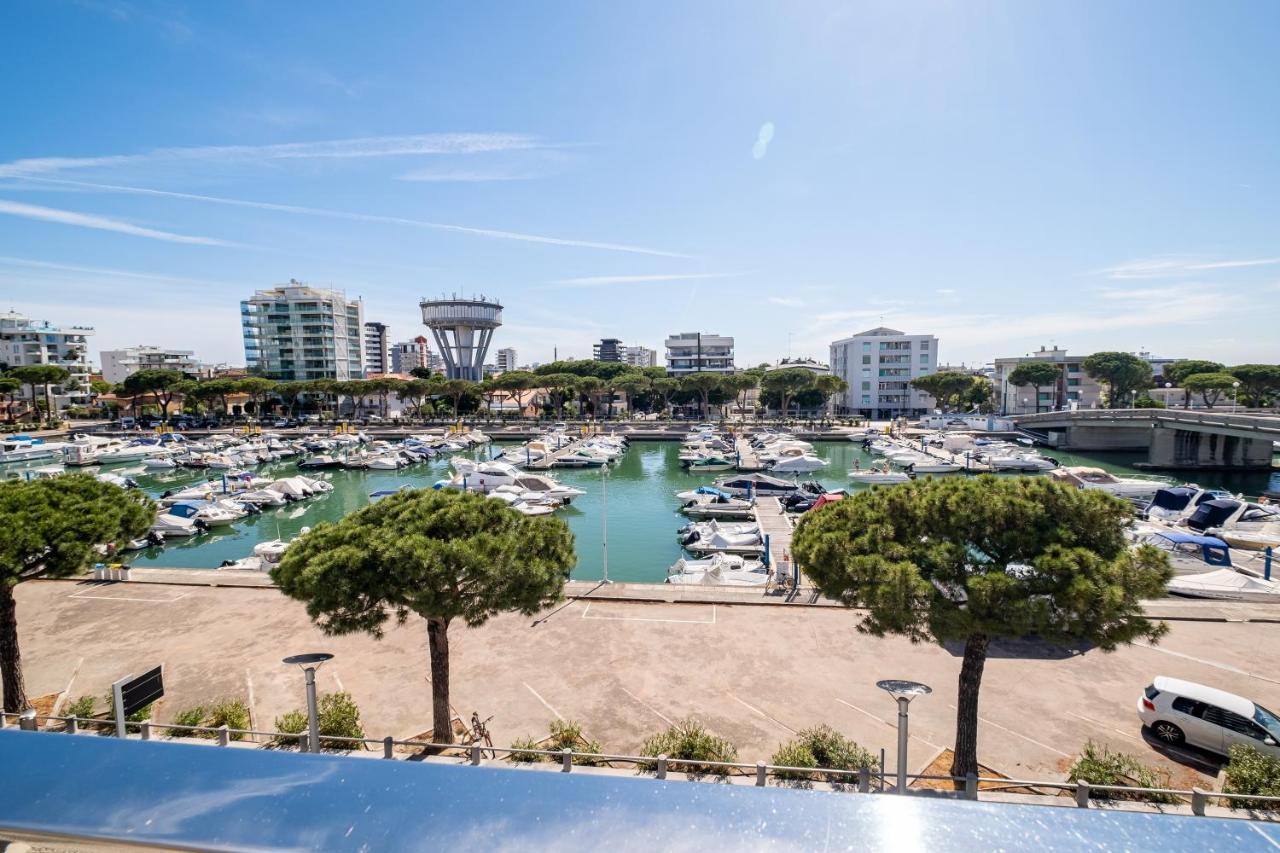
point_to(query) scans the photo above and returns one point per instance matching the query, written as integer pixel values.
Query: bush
(82, 707)
(687, 743)
(190, 717)
(1145, 402)
(1252, 772)
(522, 757)
(337, 715)
(1097, 765)
(824, 747)
(232, 713)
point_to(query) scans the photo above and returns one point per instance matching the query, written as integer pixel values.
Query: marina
(643, 481)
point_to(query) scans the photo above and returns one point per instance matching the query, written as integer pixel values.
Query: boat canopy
(1175, 498)
(1181, 538)
(1212, 513)
(185, 509)
(711, 490)
(1213, 550)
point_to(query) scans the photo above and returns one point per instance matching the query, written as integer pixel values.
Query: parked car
(128, 423)
(1180, 712)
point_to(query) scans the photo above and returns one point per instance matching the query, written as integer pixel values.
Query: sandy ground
(755, 675)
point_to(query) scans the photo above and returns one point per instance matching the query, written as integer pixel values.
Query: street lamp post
(1168, 387)
(903, 692)
(309, 664)
(1235, 395)
(604, 521)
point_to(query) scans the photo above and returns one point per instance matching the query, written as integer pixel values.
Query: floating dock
(775, 524)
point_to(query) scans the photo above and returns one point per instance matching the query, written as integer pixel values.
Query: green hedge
(1252, 772)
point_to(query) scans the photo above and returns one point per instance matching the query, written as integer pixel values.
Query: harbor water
(642, 508)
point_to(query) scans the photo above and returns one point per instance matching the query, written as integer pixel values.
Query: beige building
(1076, 391)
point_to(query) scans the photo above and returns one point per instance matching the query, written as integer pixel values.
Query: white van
(1185, 712)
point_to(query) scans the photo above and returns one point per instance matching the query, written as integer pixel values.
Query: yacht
(710, 502)
(514, 501)
(1095, 478)
(1236, 516)
(1017, 461)
(725, 543)
(930, 465)
(797, 462)
(707, 528)
(1226, 585)
(1175, 503)
(579, 459)
(24, 448)
(760, 486)
(213, 514)
(719, 569)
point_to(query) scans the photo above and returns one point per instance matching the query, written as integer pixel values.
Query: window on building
(866, 359)
(866, 386)
(924, 345)
(924, 358)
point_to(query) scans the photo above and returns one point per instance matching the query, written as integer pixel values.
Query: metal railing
(862, 780)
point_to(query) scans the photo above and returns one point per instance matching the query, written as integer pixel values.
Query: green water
(642, 517)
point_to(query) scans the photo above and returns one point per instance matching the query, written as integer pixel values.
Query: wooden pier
(746, 459)
(775, 524)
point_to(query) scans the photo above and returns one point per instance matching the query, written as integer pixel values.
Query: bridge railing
(1262, 423)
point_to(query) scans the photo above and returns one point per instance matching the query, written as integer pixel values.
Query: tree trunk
(441, 716)
(966, 750)
(15, 692)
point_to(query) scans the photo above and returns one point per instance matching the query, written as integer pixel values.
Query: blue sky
(1102, 175)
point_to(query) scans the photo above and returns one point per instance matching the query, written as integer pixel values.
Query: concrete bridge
(1174, 438)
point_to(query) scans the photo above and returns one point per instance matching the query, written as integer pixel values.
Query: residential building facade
(25, 342)
(1077, 390)
(297, 332)
(505, 359)
(695, 352)
(117, 364)
(879, 365)
(609, 349)
(377, 352)
(408, 355)
(640, 357)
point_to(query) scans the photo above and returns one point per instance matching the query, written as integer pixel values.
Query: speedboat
(1225, 585)
(930, 465)
(721, 541)
(1177, 502)
(710, 502)
(758, 485)
(710, 463)
(799, 463)
(1017, 461)
(514, 501)
(579, 459)
(1239, 516)
(169, 526)
(1095, 478)
(878, 474)
(719, 569)
(707, 528)
(211, 514)
(1188, 553)
(320, 460)
(24, 448)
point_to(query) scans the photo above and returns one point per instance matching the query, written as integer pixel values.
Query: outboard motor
(693, 536)
(200, 525)
(155, 539)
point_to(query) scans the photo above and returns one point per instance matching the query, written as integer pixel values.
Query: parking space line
(337, 680)
(1019, 734)
(646, 706)
(128, 598)
(599, 618)
(885, 722)
(1121, 732)
(66, 693)
(751, 707)
(1224, 666)
(545, 703)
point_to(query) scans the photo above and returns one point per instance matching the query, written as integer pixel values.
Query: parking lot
(755, 675)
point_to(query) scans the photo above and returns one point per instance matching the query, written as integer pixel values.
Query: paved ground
(624, 669)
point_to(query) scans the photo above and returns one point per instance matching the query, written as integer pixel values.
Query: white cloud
(336, 149)
(101, 223)
(602, 280)
(786, 301)
(369, 217)
(1178, 266)
(945, 291)
(30, 267)
(461, 176)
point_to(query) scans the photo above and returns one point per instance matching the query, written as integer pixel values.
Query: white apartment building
(505, 360)
(1076, 390)
(640, 357)
(25, 342)
(695, 352)
(120, 363)
(879, 365)
(296, 332)
(377, 352)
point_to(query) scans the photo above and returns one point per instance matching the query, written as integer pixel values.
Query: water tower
(462, 329)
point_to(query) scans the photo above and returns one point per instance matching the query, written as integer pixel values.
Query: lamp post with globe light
(903, 692)
(309, 664)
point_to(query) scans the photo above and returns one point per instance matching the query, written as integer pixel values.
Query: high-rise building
(415, 353)
(879, 365)
(295, 331)
(609, 349)
(640, 357)
(120, 363)
(377, 357)
(695, 352)
(505, 359)
(25, 342)
(1076, 388)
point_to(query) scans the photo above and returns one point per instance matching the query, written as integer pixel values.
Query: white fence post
(662, 767)
(224, 735)
(566, 760)
(864, 780)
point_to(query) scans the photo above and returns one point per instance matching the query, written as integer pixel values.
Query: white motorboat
(761, 486)
(930, 465)
(24, 448)
(386, 462)
(1018, 461)
(160, 463)
(878, 474)
(171, 526)
(719, 569)
(710, 462)
(710, 502)
(211, 514)
(708, 528)
(1174, 503)
(1239, 516)
(1225, 585)
(579, 459)
(1096, 478)
(798, 462)
(514, 501)
(723, 542)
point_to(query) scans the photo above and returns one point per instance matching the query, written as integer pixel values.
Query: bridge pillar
(1177, 448)
(1098, 437)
